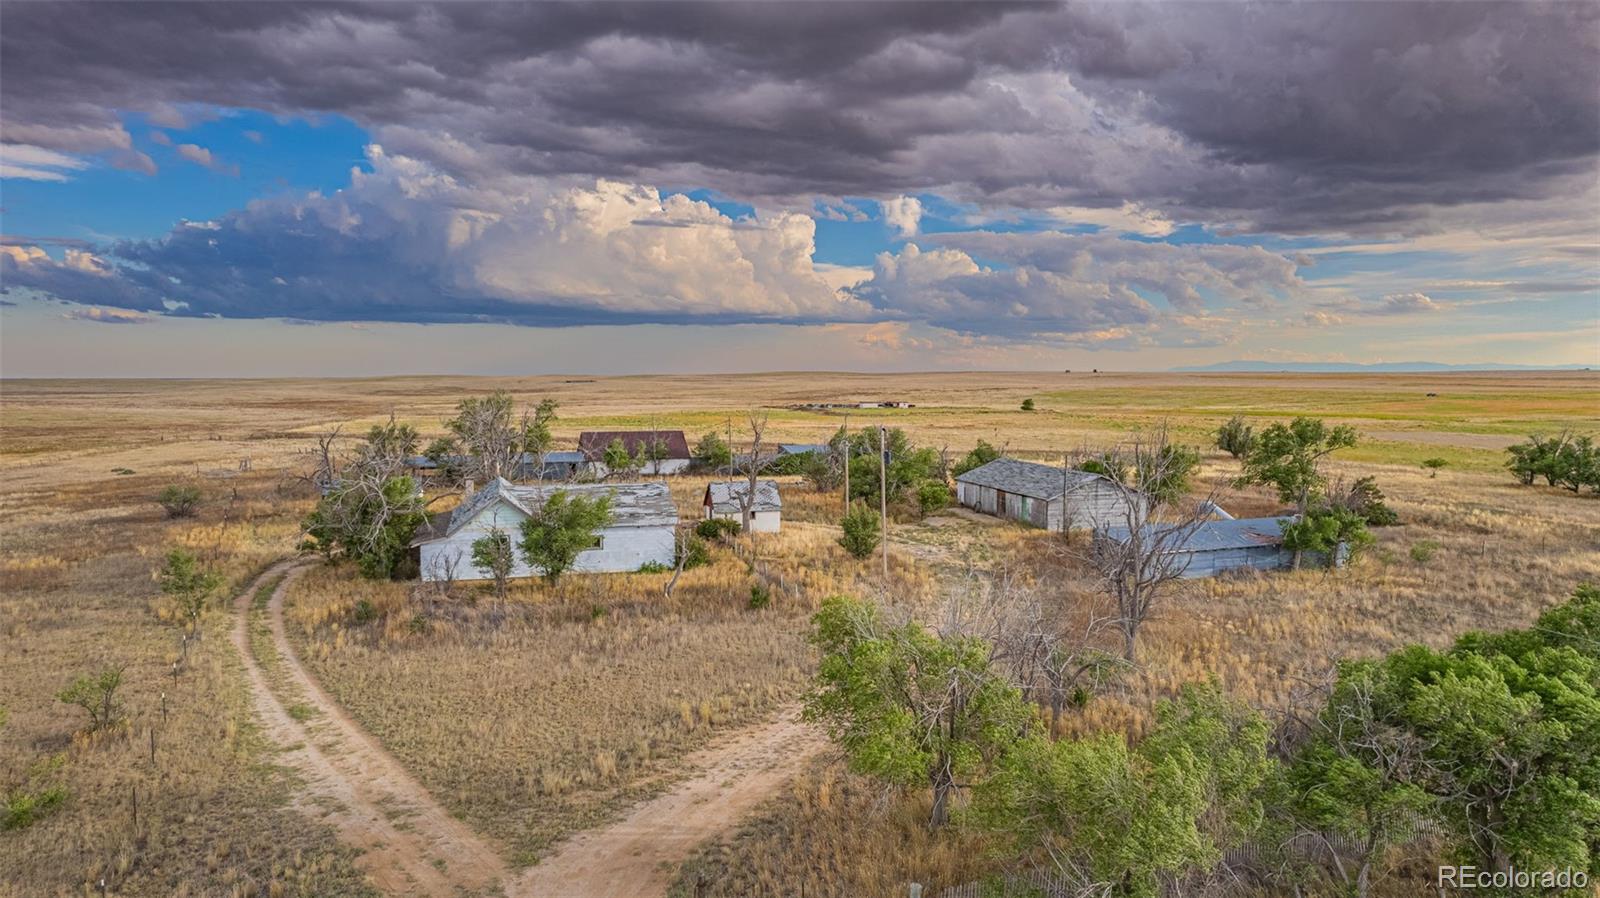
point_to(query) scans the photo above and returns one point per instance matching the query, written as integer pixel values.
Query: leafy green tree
(713, 452)
(491, 433)
(932, 496)
(1163, 473)
(980, 455)
(908, 706)
(1502, 733)
(1434, 464)
(1027, 404)
(188, 582)
(907, 465)
(1132, 818)
(1289, 457)
(179, 500)
(1361, 775)
(861, 530)
(96, 694)
(1235, 437)
(1367, 500)
(564, 527)
(1108, 465)
(492, 554)
(368, 520)
(1322, 531)
(618, 460)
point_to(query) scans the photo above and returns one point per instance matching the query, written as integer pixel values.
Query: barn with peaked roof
(674, 455)
(643, 525)
(1044, 496)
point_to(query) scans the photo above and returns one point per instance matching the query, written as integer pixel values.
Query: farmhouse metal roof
(632, 504)
(802, 448)
(724, 495)
(561, 458)
(1025, 478)
(593, 443)
(1217, 536)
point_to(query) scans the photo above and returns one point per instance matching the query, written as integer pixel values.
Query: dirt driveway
(410, 845)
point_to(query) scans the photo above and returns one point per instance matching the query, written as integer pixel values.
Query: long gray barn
(643, 523)
(1042, 495)
(1218, 546)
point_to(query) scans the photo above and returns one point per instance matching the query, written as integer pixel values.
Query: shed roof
(632, 504)
(1025, 478)
(1217, 536)
(562, 458)
(724, 495)
(803, 448)
(593, 443)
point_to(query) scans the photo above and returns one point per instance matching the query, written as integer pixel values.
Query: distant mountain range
(1247, 365)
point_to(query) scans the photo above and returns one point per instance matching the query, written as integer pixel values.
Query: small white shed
(644, 521)
(724, 499)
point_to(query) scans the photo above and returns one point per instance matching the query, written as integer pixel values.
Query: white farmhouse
(643, 523)
(724, 499)
(1044, 496)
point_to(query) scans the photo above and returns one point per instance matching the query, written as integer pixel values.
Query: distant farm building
(725, 499)
(674, 449)
(1042, 495)
(1227, 545)
(804, 449)
(557, 466)
(643, 523)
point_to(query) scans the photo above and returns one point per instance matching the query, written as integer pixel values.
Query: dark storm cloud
(1290, 117)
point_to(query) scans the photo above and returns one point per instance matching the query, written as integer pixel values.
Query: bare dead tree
(496, 438)
(752, 467)
(324, 468)
(1141, 559)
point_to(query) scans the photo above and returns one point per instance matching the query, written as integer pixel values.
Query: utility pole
(846, 449)
(883, 496)
(730, 446)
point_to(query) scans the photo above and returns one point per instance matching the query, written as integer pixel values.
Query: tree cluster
(1288, 457)
(1562, 460)
(1488, 751)
(370, 507)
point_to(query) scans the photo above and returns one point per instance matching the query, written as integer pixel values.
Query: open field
(559, 710)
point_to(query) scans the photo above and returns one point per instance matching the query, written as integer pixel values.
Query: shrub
(653, 567)
(96, 694)
(932, 496)
(981, 455)
(760, 596)
(717, 528)
(23, 809)
(1366, 499)
(1027, 404)
(694, 553)
(179, 501)
(365, 612)
(1236, 437)
(860, 526)
(188, 582)
(1422, 550)
(1434, 464)
(1322, 530)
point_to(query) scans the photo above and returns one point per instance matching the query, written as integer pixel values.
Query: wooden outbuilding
(1044, 496)
(725, 499)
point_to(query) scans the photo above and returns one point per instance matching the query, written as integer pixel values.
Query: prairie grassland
(548, 713)
(212, 819)
(545, 715)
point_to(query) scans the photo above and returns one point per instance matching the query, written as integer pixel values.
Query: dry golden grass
(548, 717)
(213, 819)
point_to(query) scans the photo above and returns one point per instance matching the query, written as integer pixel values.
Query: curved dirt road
(409, 845)
(412, 846)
